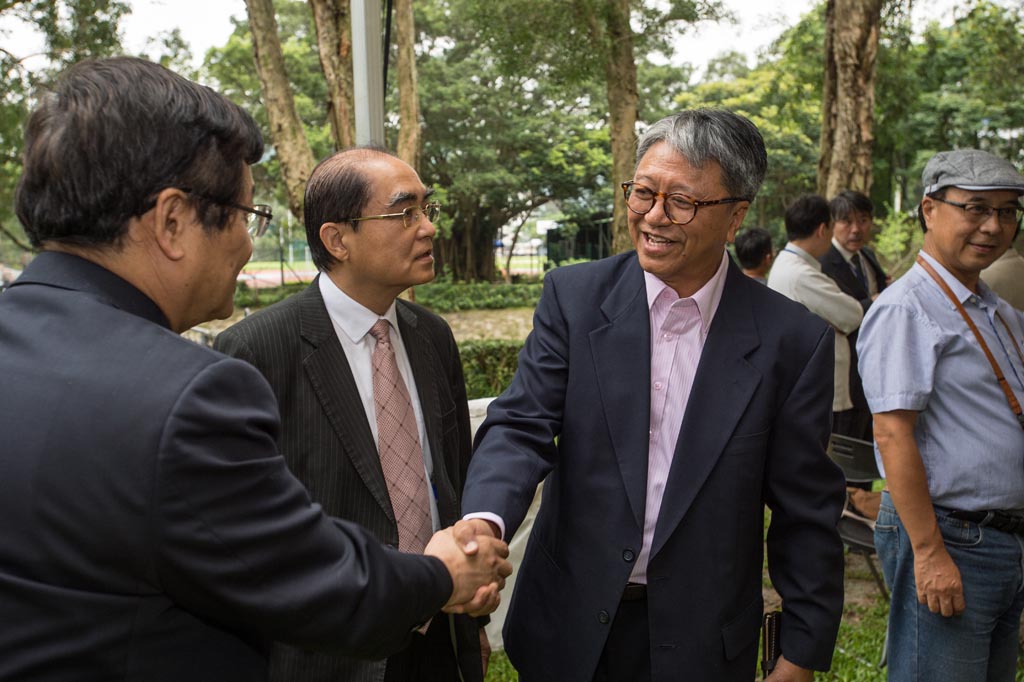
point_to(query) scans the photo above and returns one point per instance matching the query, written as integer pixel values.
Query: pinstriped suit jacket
(329, 446)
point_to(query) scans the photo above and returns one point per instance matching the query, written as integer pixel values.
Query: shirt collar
(962, 293)
(847, 255)
(706, 298)
(796, 250)
(350, 316)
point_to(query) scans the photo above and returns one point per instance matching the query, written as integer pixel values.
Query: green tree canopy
(72, 30)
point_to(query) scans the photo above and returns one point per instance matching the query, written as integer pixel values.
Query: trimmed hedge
(489, 365)
(441, 297)
(447, 297)
(258, 297)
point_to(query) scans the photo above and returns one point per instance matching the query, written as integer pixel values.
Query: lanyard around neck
(1000, 377)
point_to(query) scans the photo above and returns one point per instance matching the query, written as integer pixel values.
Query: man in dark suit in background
(855, 269)
(151, 531)
(667, 398)
(370, 228)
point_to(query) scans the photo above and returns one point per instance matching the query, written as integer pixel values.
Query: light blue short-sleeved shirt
(917, 353)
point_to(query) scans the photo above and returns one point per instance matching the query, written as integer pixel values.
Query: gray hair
(722, 136)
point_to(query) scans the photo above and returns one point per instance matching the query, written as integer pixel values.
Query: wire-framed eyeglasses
(411, 216)
(257, 218)
(979, 213)
(679, 208)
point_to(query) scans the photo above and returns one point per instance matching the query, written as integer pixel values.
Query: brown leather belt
(634, 592)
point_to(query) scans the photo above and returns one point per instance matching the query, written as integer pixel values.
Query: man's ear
(928, 207)
(736, 220)
(173, 219)
(334, 236)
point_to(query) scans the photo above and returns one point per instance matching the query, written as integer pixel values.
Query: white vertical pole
(368, 71)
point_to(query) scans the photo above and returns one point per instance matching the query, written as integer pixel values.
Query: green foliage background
(509, 124)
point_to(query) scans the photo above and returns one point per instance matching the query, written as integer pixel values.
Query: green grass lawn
(522, 264)
(275, 265)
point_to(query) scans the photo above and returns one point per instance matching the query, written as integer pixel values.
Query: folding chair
(857, 460)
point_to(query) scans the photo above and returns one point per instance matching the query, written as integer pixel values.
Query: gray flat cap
(970, 169)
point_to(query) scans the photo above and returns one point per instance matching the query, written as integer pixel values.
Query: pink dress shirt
(679, 327)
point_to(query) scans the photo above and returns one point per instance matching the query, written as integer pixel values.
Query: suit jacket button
(628, 556)
(603, 618)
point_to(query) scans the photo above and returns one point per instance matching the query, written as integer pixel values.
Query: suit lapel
(622, 365)
(425, 363)
(331, 377)
(722, 388)
(842, 272)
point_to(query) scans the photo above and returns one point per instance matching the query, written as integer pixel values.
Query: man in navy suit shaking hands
(684, 397)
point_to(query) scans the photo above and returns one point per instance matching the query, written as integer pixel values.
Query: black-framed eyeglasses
(410, 217)
(257, 218)
(979, 213)
(679, 208)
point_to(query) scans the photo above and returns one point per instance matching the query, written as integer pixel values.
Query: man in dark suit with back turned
(370, 232)
(151, 531)
(667, 397)
(855, 269)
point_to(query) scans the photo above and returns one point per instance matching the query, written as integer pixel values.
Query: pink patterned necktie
(398, 440)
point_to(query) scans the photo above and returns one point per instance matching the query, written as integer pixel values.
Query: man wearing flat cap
(940, 356)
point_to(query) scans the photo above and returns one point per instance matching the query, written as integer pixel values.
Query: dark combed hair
(111, 134)
(752, 245)
(848, 202)
(805, 214)
(337, 191)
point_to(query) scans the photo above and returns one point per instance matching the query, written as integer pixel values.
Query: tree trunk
(512, 246)
(286, 130)
(408, 95)
(848, 95)
(615, 35)
(333, 21)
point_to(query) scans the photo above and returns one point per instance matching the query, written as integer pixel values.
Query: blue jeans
(980, 644)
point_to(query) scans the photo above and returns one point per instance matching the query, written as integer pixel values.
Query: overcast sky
(207, 23)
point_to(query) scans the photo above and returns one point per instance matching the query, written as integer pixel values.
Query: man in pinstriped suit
(370, 232)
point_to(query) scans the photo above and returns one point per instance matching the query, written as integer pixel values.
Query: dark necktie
(398, 440)
(859, 271)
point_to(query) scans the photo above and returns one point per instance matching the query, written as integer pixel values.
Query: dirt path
(511, 323)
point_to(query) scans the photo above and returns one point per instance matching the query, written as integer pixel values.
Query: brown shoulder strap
(1007, 391)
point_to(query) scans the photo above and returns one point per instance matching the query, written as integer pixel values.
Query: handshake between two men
(478, 565)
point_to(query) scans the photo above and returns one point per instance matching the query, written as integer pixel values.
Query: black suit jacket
(835, 266)
(754, 433)
(151, 531)
(328, 444)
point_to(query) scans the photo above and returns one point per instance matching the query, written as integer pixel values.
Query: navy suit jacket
(151, 531)
(754, 433)
(328, 444)
(835, 266)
